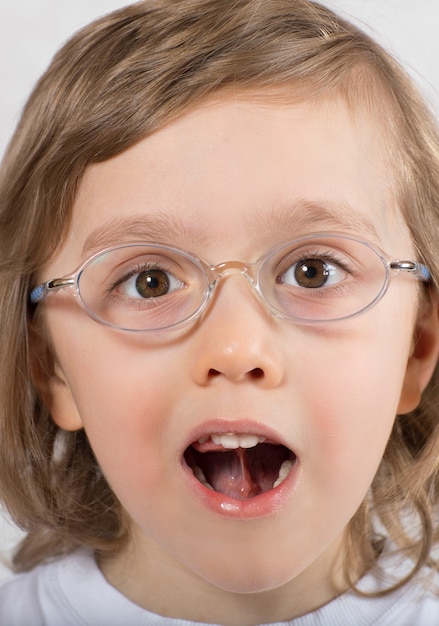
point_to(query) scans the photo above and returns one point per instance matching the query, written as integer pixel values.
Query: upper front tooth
(231, 441)
(248, 441)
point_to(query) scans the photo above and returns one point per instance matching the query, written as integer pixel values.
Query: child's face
(235, 178)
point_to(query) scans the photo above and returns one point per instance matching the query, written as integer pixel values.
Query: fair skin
(237, 176)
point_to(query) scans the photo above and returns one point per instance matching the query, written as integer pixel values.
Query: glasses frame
(213, 273)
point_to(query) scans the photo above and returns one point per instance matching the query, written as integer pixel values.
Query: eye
(148, 283)
(313, 273)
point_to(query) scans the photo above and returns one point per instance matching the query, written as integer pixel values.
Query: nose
(237, 339)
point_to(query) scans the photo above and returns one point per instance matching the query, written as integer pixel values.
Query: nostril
(256, 372)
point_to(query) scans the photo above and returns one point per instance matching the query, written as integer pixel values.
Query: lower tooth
(199, 475)
(283, 473)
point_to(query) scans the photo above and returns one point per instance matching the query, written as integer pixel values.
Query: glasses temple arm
(40, 292)
(417, 270)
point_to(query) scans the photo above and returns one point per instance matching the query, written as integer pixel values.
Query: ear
(62, 404)
(423, 358)
(51, 383)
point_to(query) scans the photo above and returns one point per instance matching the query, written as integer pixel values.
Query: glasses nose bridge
(230, 268)
(227, 269)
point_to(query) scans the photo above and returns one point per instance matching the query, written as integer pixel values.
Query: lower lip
(266, 504)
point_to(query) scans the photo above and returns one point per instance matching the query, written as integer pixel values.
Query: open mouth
(240, 466)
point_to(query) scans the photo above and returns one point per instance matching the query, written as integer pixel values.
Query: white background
(32, 30)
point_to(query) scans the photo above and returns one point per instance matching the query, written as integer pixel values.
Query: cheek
(125, 413)
(124, 392)
(352, 407)
(127, 399)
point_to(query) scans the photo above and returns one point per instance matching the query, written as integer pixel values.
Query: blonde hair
(111, 85)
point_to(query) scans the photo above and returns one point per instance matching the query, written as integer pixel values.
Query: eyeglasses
(149, 288)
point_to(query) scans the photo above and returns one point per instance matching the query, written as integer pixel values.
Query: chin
(246, 578)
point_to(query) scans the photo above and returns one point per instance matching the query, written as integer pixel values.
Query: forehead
(236, 171)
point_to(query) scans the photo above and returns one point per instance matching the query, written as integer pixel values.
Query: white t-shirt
(74, 592)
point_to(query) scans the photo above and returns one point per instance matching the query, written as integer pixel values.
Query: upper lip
(224, 425)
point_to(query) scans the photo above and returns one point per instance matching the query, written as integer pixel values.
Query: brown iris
(311, 273)
(152, 283)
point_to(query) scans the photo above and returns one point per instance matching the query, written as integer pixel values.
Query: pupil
(311, 273)
(152, 283)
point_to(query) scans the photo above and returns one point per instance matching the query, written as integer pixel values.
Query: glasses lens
(323, 278)
(137, 287)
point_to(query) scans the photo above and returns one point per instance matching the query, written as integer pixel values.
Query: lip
(264, 505)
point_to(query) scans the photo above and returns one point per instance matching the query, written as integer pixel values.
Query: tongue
(232, 476)
(241, 473)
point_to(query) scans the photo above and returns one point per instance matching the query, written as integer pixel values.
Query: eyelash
(144, 267)
(329, 257)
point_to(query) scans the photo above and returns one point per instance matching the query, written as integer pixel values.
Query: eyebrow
(158, 227)
(296, 219)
